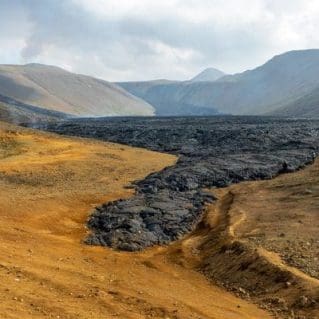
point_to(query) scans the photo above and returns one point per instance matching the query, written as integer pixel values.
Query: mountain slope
(17, 112)
(176, 99)
(305, 106)
(209, 74)
(281, 81)
(59, 90)
(141, 88)
(167, 97)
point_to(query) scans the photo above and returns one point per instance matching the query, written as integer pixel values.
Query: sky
(127, 40)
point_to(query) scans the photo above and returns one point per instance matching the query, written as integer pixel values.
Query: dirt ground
(260, 240)
(48, 186)
(283, 217)
(280, 218)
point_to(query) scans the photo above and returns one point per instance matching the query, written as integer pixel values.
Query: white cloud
(144, 39)
(115, 8)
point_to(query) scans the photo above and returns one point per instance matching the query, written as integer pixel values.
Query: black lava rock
(213, 152)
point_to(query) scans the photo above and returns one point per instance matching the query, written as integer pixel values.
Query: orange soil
(281, 218)
(48, 186)
(261, 239)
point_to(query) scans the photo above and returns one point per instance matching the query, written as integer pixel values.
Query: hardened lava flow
(213, 152)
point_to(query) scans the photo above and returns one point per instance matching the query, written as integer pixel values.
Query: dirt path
(48, 185)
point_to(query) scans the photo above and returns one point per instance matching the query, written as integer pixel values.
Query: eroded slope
(260, 241)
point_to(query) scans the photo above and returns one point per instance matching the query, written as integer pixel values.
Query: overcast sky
(146, 39)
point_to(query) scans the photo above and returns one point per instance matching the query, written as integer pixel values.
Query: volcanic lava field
(49, 185)
(203, 217)
(212, 152)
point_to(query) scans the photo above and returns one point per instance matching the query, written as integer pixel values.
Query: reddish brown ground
(48, 186)
(261, 240)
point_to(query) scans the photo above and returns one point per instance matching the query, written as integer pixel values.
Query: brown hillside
(56, 89)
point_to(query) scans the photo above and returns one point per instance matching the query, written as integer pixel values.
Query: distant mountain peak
(209, 74)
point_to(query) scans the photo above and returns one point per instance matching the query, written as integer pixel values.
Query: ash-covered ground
(213, 152)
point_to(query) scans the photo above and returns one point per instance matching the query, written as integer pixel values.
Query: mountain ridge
(261, 91)
(285, 85)
(56, 89)
(14, 111)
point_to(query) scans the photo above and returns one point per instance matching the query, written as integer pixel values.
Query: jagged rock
(213, 152)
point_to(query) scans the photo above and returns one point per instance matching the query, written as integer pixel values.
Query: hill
(13, 111)
(305, 106)
(167, 97)
(56, 89)
(281, 81)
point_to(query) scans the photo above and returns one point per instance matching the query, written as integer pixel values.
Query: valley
(159, 159)
(286, 85)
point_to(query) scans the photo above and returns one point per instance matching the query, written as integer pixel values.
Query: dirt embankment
(48, 186)
(260, 240)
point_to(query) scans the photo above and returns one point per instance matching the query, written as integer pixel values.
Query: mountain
(210, 74)
(141, 88)
(288, 84)
(169, 97)
(281, 81)
(17, 112)
(305, 106)
(56, 89)
(164, 95)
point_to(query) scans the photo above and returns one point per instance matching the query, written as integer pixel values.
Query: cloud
(141, 39)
